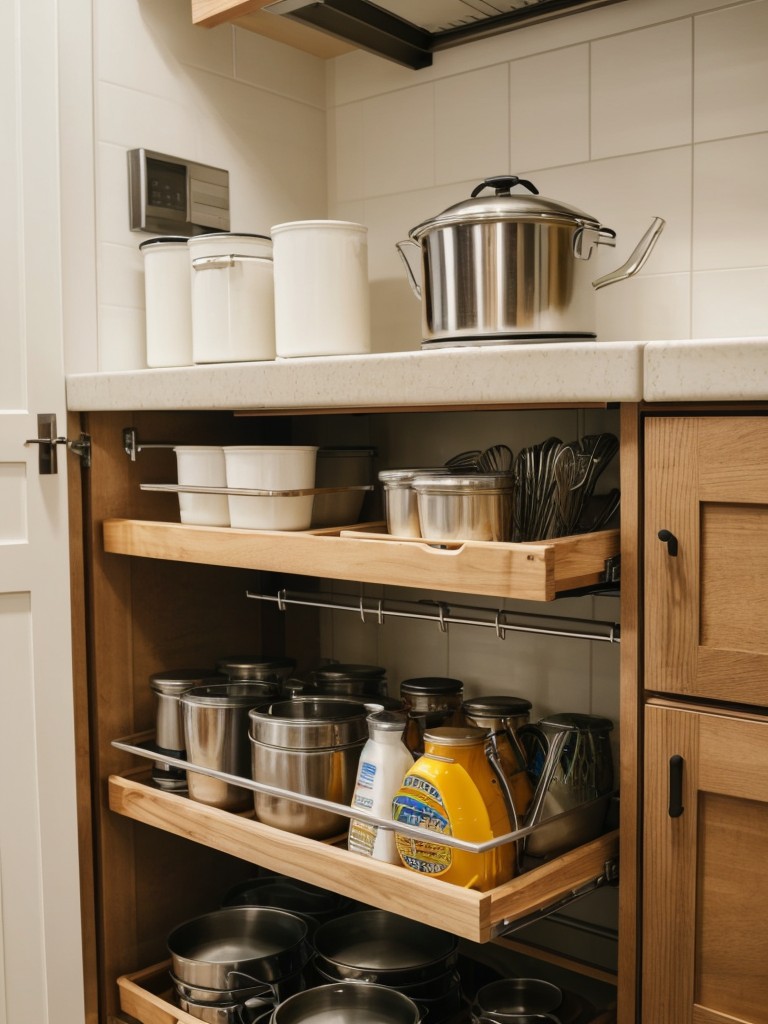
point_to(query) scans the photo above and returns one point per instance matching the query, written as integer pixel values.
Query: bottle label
(422, 855)
(361, 838)
(366, 775)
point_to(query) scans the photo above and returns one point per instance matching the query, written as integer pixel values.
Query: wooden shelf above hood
(248, 14)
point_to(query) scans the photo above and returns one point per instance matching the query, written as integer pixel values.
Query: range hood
(410, 31)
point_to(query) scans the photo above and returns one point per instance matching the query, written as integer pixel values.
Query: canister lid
(497, 706)
(455, 736)
(338, 672)
(469, 483)
(164, 240)
(221, 235)
(405, 476)
(175, 681)
(431, 685)
(244, 666)
(231, 694)
(333, 225)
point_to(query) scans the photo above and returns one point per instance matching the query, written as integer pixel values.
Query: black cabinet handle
(670, 540)
(675, 786)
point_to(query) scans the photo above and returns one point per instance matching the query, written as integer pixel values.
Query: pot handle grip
(415, 286)
(503, 183)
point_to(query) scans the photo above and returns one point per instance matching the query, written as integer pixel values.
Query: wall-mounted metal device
(169, 196)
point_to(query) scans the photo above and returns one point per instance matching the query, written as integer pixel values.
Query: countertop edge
(567, 372)
(483, 376)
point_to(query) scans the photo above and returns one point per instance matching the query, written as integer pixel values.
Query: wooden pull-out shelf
(529, 572)
(469, 914)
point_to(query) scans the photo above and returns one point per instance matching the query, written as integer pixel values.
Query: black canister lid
(497, 706)
(432, 685)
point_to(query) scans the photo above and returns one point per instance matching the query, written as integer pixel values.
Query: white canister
(322, 305)
(168, 301)
(202, 466)
(233, 306)
(271, 468)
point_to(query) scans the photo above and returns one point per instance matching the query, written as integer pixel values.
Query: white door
(40, 945)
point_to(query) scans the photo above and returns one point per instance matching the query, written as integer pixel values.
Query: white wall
(647, 107)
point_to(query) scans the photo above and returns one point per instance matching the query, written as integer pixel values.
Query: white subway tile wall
(640, 109)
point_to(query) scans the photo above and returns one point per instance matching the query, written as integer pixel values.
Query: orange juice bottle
(452, 790)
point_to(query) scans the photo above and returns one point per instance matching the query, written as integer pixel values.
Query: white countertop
(483, 375)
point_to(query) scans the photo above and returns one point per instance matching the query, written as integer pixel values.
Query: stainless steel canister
(215, 720)
(344, 680)
(168, 686)
(307, 746)
(258, 667)
(476, 506)
(400, 507)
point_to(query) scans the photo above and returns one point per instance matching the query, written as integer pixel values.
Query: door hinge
(47, 460)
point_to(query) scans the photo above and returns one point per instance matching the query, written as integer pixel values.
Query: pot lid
(505, 206)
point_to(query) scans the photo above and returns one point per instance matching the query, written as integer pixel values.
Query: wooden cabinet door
(706, 607)
(705, 902)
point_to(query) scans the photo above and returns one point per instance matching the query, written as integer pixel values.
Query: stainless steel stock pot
(512, 267)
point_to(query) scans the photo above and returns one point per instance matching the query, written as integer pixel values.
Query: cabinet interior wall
(144, 615)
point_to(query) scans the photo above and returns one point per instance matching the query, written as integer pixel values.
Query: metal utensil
(496, 459)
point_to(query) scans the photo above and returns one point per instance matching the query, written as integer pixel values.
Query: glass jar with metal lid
(430, 702)
(432, 693)
(502, 716)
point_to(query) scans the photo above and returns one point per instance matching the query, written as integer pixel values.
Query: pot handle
(415, 286)
(637, 259)
(503, 183)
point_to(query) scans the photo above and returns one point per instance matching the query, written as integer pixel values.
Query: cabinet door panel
(706, 627)
(705, 903)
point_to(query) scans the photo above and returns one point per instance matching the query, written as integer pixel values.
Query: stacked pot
(230, 965)
(379, 948)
